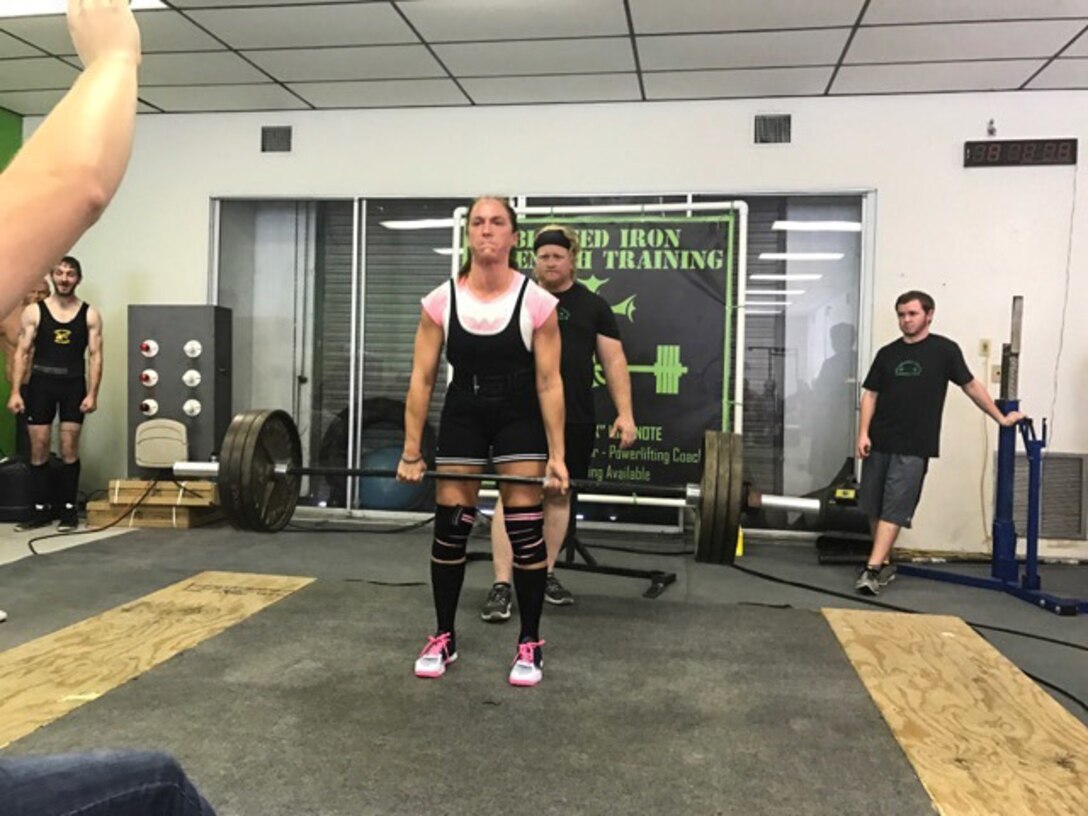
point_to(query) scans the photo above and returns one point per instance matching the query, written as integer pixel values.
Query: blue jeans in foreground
(103, 783)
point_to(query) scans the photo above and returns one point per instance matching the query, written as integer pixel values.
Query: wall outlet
(995, 374)
(984, 348)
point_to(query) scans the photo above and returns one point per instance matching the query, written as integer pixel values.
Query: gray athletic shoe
(556, 593)
(496, 608)
(886, 575)
(868, 582)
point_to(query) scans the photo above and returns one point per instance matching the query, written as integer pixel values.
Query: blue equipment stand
(1005, 570)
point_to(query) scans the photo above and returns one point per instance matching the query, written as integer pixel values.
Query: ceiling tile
(468, 20)
(30, 103)
(601, 54)
(934, 76)
(11, 47)
(37, 73)
(657, 17)
(203, 4)
(382, 94)
(209, 68)
(572, 88)
(724, 84)
(159, 31)
(934, 11)
(771, 49)
(923, 43)
(306, 26)
(366, 62)
(1063, 73)
(1078, 48)
(191, 99)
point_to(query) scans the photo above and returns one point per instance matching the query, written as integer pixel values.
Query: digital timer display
(1019, 152)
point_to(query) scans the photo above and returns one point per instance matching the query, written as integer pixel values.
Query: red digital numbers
(1020, 152)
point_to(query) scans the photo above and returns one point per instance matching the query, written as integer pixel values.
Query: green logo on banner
(626, 308)
(593, 283)
(666, 370)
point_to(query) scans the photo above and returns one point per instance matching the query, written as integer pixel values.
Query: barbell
(260, 472)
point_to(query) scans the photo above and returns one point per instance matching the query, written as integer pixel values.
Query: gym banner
(668, 280)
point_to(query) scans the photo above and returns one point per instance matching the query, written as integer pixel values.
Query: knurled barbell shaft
(686, 494)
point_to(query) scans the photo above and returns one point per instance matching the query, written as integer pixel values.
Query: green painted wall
(11, 137)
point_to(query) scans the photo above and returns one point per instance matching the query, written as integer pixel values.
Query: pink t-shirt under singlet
(487, 317)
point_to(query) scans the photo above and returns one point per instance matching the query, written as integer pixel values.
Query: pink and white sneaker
(435, 656)
(528, 668)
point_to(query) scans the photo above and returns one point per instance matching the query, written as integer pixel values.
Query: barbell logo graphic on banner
(666, 369)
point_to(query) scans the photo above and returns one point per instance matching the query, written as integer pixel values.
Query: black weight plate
(704, 519)
(230, 468)
(269, 499)
(734, 498)
(721, 500)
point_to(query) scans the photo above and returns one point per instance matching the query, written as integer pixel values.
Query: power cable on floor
(976, 626)
(127, 512)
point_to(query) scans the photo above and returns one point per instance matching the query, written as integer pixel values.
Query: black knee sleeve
(525, 528)
(452, 527)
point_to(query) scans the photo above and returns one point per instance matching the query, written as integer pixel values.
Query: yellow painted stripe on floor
(982, 736)
(46, 678)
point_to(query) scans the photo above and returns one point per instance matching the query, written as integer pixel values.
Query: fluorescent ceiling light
(443, 250)
(43, 8)
(818, 226)
(763, 311)
(794, 277)
(775, 292)
(419, 224)
(748, 303)
(801, 256)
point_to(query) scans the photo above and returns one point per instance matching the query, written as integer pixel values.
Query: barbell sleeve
(196, 470)
(796, 504)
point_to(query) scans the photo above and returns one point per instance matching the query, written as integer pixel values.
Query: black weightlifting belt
(55, 371)
(495, 386)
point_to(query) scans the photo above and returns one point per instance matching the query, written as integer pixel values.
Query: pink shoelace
(437, 645)
(527, 653)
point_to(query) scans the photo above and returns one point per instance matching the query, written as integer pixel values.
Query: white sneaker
(432, 661)
(528, 668)
(3, 616)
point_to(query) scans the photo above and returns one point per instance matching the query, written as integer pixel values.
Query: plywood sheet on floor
(46, 678)
(982, 736)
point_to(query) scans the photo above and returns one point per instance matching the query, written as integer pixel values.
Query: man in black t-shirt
(588, 327)
(900, 426)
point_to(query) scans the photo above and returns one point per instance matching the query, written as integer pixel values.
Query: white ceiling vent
(772, 128)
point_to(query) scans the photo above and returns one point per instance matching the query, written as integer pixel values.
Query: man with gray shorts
(900, 426)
